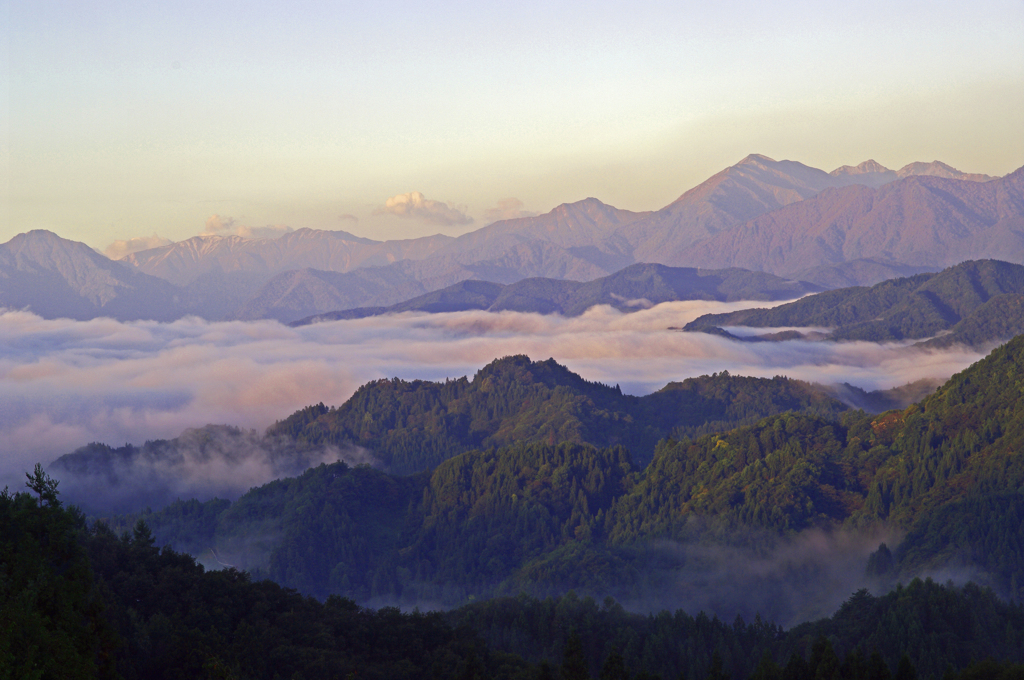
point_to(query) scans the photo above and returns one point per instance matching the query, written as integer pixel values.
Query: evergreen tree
(905, 669)
(614, 668)
(574, 663)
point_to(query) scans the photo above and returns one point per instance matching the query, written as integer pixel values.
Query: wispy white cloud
(225, 226)
(416, 205)
(67, 383)
(119, 249)
(507, 209)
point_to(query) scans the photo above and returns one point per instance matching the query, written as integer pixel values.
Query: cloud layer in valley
(67, 383)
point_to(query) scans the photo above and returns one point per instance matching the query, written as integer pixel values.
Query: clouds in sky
(416, 205)
(227, 226)
(119, 249)
(66, 383)
(507, 209)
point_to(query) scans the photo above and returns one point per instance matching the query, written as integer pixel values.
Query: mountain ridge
(853, 225)
(975, 302)
(634, 287)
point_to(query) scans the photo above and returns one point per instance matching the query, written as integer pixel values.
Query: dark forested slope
(980, 301)
(79, 601)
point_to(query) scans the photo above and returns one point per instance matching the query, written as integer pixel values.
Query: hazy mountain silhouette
(856, 225)
(635, 287)
(923, 221)
(55, 277)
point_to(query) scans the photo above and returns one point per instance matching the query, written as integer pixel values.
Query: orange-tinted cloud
(416, 205)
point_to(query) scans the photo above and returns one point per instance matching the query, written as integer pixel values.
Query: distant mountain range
(854, 226)
(635, 287)
(975, 303)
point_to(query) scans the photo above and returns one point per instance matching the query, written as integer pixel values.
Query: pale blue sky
(125, 119)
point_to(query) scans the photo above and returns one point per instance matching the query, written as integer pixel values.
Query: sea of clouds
(67, 383)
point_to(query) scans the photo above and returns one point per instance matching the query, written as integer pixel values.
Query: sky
(121, 120)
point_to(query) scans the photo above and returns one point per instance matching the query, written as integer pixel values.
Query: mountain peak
(868, 166)
(589, 202)
(940, 169)
(38, 236)
(40, 245)
(756, 159)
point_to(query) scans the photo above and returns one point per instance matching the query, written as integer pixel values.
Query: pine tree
(574, 664)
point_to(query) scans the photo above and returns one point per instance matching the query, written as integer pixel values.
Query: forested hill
(413, 426)
(980, 301)
(541, 518)
(634, 287)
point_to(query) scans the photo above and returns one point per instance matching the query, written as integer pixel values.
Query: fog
(212, 461)
(67, 383)
(784, 579)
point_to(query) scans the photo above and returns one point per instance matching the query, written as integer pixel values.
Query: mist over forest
(68, 383)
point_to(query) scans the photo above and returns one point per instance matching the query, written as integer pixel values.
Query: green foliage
(1001, 317)
(335, 529)
(414, 426)
(51, 623)
(574, 664)
(786, 473)
(934, 626)
(486, 514)
(85, 602)
(981, 534)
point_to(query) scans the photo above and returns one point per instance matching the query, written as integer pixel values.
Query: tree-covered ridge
(914, 307)
(413, 426)
(485, 515)
(526, 515)
(911, 469)
(51, 612)
(998, 318)
(966, 438)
